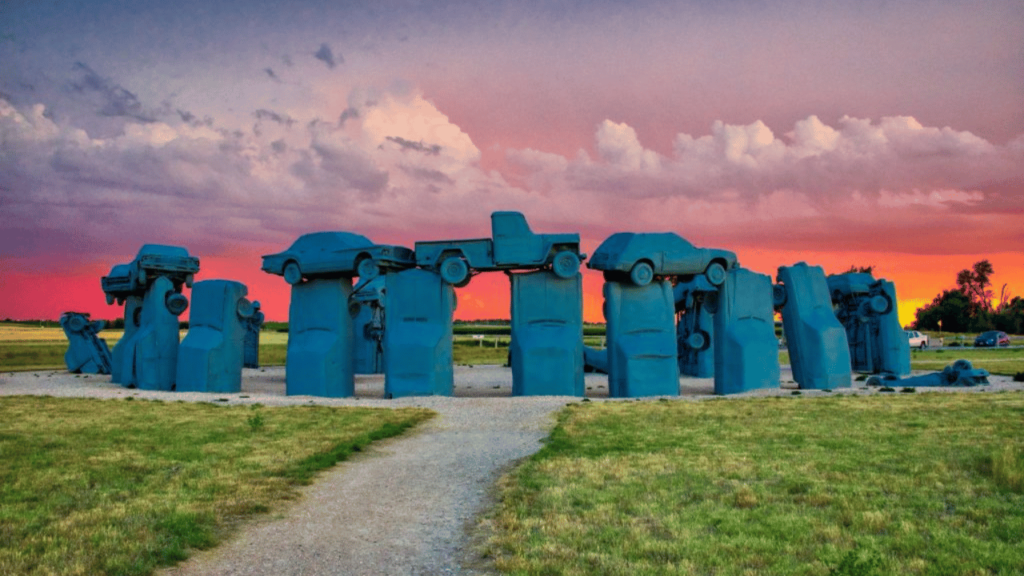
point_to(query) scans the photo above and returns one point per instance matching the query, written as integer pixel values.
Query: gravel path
(407, 505)
(401, 509)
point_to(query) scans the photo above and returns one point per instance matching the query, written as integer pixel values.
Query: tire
(367, 269)
(176, 304)
(292, 274)
(642, 273)
(698, 340)
(779, 297)
(110, 299)
(77, 323)
(923, 346)
(245, 309)
(455, 271)
(715, 273)
(142, 276)
(565, 264)
(188, 280)
(880, 304)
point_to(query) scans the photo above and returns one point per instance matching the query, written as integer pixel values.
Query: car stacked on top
(335, 254)
(642, 257)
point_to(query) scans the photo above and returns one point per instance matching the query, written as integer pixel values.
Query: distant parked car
(918, 340)
(640, 257)
(992, 338)
(334, 254)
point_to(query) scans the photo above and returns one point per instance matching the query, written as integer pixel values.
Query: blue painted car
(336, 254)
(640, 257)
(514, 247)
(152, 261)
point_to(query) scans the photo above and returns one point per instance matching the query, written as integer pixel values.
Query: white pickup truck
(918, 340)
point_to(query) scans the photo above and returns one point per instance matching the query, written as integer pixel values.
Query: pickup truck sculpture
(514, 247)
(153, 260)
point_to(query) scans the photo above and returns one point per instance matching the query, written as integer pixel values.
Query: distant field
(33, 348)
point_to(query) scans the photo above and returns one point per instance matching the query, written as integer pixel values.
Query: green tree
(952, 307)
(976, 283)
(1010, 317)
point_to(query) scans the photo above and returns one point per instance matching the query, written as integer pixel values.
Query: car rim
(566, 264)
(368, 269)
(715, 274)
(292, 274)
(641, 274)
(454, 271)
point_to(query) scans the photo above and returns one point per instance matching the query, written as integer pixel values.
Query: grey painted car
(640, 257)
(335, 254)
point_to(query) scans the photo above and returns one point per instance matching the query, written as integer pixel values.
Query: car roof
(162, 250)
(330, 241)
(623, 242)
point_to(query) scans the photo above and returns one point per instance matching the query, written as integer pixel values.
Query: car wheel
(778, 296)
(565, 264)
(245, 309)
(77, 323)
(923, 346)
(142, 275)
(367, 269)
(292, 274)
(110, 299)
(642, 273)
(698, 340)
(176, 304)
(880, 304)
(715, 273)
(455, 271)
(188, 280)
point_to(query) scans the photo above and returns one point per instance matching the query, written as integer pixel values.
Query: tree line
(973, 305)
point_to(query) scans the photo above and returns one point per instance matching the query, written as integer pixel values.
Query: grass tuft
(1007, 467)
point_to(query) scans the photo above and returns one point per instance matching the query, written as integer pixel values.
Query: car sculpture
(991, 338)
(642, 257)
(513, 247)
(336, 254)
(153, 260)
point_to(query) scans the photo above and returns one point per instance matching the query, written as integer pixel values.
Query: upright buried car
(640, 257)
(153, 260)
(333, 254)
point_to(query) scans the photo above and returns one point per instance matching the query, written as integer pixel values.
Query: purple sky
(852, 129)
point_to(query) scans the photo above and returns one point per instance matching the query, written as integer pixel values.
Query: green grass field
(93, 487)
(868, 485)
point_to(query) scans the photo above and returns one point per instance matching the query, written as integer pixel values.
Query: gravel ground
(407, 505)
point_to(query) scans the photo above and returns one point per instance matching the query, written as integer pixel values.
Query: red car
(991, 338)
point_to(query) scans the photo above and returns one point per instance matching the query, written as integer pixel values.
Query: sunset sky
(837, 133)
